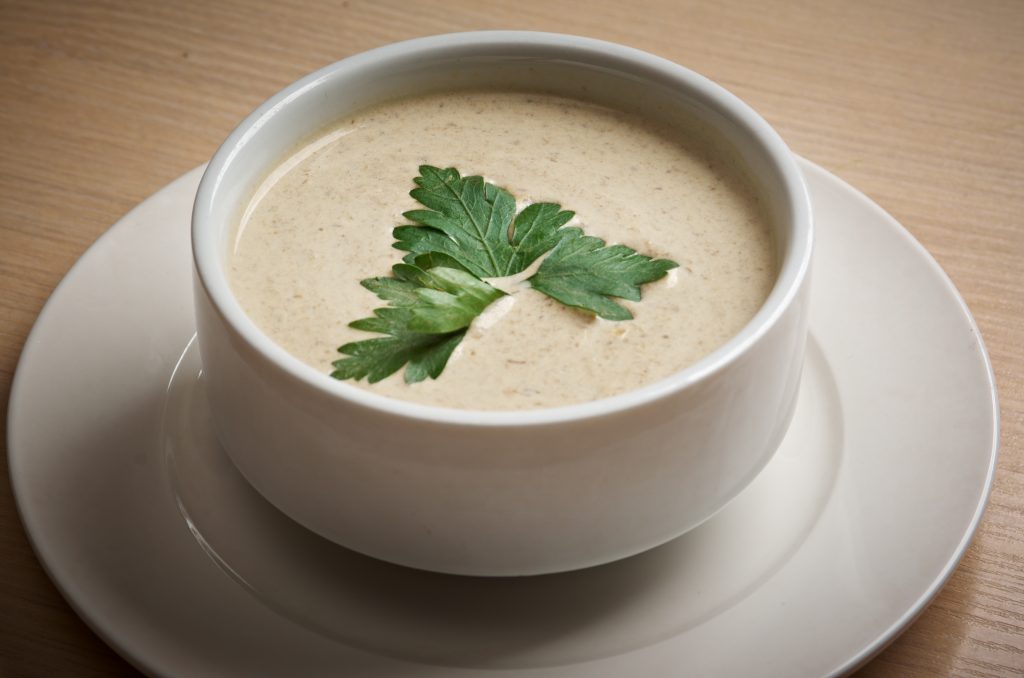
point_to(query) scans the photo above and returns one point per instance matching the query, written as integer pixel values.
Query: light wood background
(919, 103)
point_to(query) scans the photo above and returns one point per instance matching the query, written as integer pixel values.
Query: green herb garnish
(428, 316)
(472, 222)
(468, 232)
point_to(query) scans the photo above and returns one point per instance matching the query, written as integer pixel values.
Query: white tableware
(838, 544)
(505, 492)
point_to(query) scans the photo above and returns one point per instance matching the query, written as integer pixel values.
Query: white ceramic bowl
(501, 492)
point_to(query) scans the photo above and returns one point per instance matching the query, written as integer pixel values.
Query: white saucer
(843, 539)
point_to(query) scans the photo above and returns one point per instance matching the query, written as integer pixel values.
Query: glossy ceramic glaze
(499, 493)
(152, 518)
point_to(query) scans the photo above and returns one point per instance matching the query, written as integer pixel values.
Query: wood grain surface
(918, 103)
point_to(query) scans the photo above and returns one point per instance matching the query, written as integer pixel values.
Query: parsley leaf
(582, 271)
(471, 222)
(470, 231)
(429, 311)
(376, 359)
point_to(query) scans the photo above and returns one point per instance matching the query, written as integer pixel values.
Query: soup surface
(322, 221)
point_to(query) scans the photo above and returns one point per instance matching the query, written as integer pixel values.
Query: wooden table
(919, 103)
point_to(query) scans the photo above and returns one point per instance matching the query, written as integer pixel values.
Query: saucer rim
(882, 639)
(901, 624)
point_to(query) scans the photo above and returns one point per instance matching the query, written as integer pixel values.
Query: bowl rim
(210, 274)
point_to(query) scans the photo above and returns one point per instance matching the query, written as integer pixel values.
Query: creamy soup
(322, 221)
